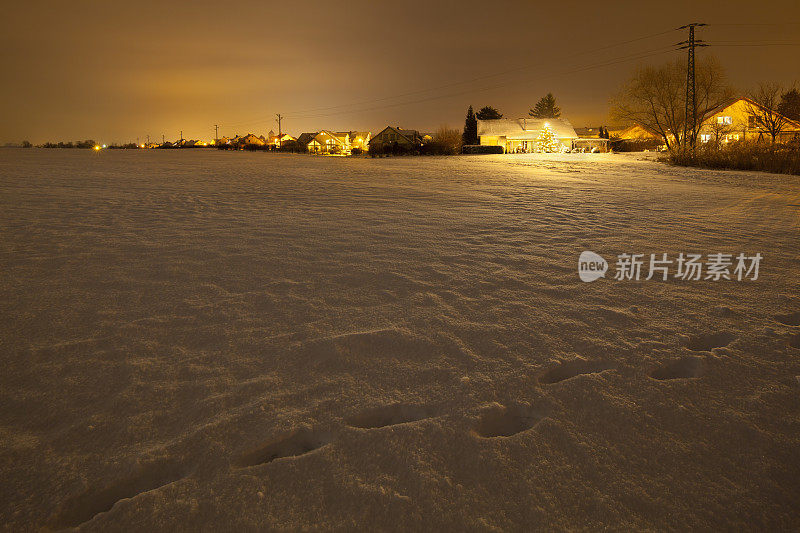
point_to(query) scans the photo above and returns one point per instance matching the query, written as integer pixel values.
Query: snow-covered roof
(525, 128)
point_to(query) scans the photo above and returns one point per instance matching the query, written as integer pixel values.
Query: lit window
(705, 137)
(724, 120)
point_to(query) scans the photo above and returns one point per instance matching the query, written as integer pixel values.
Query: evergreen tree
(547, 141)
(470, 135)
(488, 113)
(546, 108)
(790, 105)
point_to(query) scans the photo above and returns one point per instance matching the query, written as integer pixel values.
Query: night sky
(116, 72)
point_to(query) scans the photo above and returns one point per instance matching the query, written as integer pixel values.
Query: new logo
(591, 266)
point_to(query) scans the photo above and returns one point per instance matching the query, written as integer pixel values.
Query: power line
(311, 112)
(581, 68)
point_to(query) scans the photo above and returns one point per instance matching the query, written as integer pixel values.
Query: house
(360, 140)
(251, 139)
(520, 135)
(734, 121)
(276, 141)
(590, 140)
(391, 136)
(635, 132)
(306, 138)
(328, 142)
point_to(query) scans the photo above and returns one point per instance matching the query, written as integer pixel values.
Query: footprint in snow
(498, 420)
(297, 442)
(570, 369)
(96, 500)
(684, 368)
(389, 415)
(789, 319)
(708, 341)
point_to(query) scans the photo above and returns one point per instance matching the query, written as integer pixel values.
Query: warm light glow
(96, 147)
(546, 124)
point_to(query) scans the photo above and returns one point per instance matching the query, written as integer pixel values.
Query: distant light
(141, 146)
(105, 146)
(546, 124)
(96, 147)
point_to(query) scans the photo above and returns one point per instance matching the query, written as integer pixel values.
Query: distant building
(391, 136)
(306, 138)
(276, 141)
(734, 121)
(589, 140)
(360, 139)
(252, 139)
(635, 132)
(520, 135)
(328, 142)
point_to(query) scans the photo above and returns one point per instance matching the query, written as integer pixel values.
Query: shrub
(778, 158)
(290, 146)
(446, 141)
(479, 149)
(635, 145)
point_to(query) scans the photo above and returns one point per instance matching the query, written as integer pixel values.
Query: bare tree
(720, 130)
(763, 106)
(655, 98)
(449, 139)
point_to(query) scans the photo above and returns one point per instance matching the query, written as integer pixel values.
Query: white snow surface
(204, 340)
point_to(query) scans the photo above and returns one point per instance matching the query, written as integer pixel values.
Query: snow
(218, 340)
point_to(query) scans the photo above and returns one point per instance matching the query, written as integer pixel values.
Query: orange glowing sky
(116, 72)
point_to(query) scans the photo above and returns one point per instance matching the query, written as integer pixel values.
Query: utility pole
(163, 141)
(690, 113)
(280, 132)
(216, 134)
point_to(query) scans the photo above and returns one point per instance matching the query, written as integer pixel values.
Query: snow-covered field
(238, 341)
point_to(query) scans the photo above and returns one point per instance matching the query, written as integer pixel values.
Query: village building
(276, 141)
(360, 140)
(395, 136)
(590, 140)
(306, 138)
(732, 121)
(252, 139)
(634, 132)
(329, 143)
(520, 135)
(735, 120)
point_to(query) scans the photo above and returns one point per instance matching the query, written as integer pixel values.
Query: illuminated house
(635, 133)
(276, 141)
(520, 135)
(733, 121)
(340, 142)
(328, 142)
(306, 138)
(360, 140)
(391, 136)
(250, 139)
